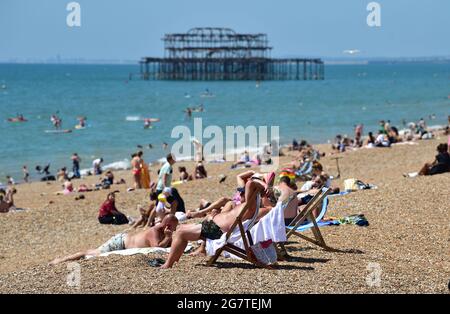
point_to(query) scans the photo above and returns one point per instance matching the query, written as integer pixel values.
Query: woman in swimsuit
(136, 168)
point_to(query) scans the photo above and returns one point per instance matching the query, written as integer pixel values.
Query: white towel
(271, 226)
(144, 251)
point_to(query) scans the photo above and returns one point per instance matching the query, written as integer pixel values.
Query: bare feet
(200, 251)
(55, 262)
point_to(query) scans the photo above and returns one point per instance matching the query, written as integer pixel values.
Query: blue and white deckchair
(305, 171)
(298, 224)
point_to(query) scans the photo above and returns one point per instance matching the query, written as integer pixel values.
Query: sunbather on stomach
(157, 236)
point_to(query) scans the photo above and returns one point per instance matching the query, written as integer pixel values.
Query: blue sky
(128, 30)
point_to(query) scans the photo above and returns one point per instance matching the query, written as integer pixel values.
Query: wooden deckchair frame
(247, 253)
(307, 213)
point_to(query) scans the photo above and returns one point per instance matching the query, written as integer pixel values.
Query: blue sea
(114, 105)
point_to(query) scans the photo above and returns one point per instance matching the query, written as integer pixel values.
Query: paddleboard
(152, 119)
(16, 120)
(58, 131)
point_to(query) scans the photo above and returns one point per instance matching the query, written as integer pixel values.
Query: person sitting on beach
(284, 192)
(157, 236)
(215, 225)
(10, 181)
(440, 165)
(245, 158)
(144, 220)
(109, 214)
(62, 174)
(109, 178)
(393, 135)
(382, 140)
(184, 175)
(46, 171)
(370, 142)
(67, 188)
(200, 171)
(168, 202)
(7, 200)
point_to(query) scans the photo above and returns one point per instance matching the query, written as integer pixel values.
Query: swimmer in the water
(188, 112)
(57, 122)
(147, 124)
(81, 122)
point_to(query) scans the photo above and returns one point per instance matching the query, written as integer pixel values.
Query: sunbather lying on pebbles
(157, 236)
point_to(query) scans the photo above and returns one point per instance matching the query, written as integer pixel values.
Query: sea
(115, 101)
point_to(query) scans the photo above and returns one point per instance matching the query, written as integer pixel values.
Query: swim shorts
(116, 243)
(210, 230)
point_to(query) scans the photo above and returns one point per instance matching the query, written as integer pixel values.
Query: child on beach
(26, 174)
(145, 220)
(184, 176)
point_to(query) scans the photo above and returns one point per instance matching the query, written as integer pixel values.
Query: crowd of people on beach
(165, 220)
(160, 223)
(386, 136)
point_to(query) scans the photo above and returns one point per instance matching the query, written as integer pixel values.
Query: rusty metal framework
(222, 54)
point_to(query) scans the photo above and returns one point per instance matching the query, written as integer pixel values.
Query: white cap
(168, 191)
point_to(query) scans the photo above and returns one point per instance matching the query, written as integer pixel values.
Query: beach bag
(354, 185)
(351, 185)
(265, 252)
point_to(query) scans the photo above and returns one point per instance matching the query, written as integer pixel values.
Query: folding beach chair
(245, 235)
(304, 173)
(297, 225)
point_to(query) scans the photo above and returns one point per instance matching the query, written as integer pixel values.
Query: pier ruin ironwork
(222, 54)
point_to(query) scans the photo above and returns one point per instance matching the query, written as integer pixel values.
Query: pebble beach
(406, 243)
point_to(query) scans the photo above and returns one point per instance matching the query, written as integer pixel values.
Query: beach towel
(145, 177)
(270, 227)
(144, 251)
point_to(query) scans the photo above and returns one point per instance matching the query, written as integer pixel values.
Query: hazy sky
(128, 30)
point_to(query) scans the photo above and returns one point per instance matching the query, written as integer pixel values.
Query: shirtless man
(157, 236)
(7, 200)
(216, 224)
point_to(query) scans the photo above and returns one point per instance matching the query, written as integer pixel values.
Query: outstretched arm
(243, 177)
